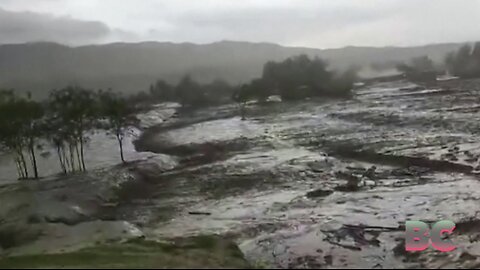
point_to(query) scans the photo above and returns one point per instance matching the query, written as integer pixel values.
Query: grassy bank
(200, 251)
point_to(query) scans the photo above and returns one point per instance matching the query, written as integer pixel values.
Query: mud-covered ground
(319, 183)
(253, 179)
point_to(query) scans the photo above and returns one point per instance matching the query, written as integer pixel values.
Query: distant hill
(131, 67)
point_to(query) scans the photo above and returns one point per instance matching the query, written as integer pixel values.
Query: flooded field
(313, 184)
(254, 179)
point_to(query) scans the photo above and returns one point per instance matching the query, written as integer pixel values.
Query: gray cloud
(18, 27)
(283, 24)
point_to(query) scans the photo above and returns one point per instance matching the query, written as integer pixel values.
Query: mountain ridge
(236, 42)
(131, 67)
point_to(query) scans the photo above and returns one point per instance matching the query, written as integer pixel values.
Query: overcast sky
(307, 23)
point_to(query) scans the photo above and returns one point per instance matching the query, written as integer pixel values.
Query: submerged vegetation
(187, 92)
(21, 120)
(65, 121)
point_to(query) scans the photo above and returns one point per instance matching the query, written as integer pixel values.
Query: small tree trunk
(19, 168)
(79, 160)
(24, 163)
(34, 159)
(62, 163)
(120, 144)
(65, 158)
(72, 157)
(242, 110)
(82, 154)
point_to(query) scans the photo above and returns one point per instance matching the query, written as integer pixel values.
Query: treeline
(295, 78)
(465, 62)
(67, 118)
(188, 92)
(419, 69)
(64, 121)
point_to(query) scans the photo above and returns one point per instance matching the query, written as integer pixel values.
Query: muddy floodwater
(279, 182)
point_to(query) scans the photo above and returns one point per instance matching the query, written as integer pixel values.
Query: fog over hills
(132, 67)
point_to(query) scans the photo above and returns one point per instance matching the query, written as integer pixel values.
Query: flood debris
(406, 161)
(199, 213)
(360, 235)
(318, 193)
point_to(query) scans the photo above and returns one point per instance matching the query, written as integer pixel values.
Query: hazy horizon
(238, 41)
(301, 23)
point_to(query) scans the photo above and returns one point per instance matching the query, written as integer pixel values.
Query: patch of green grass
(194, 252)
(260, 264)
(204, 241)
(70, 260)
